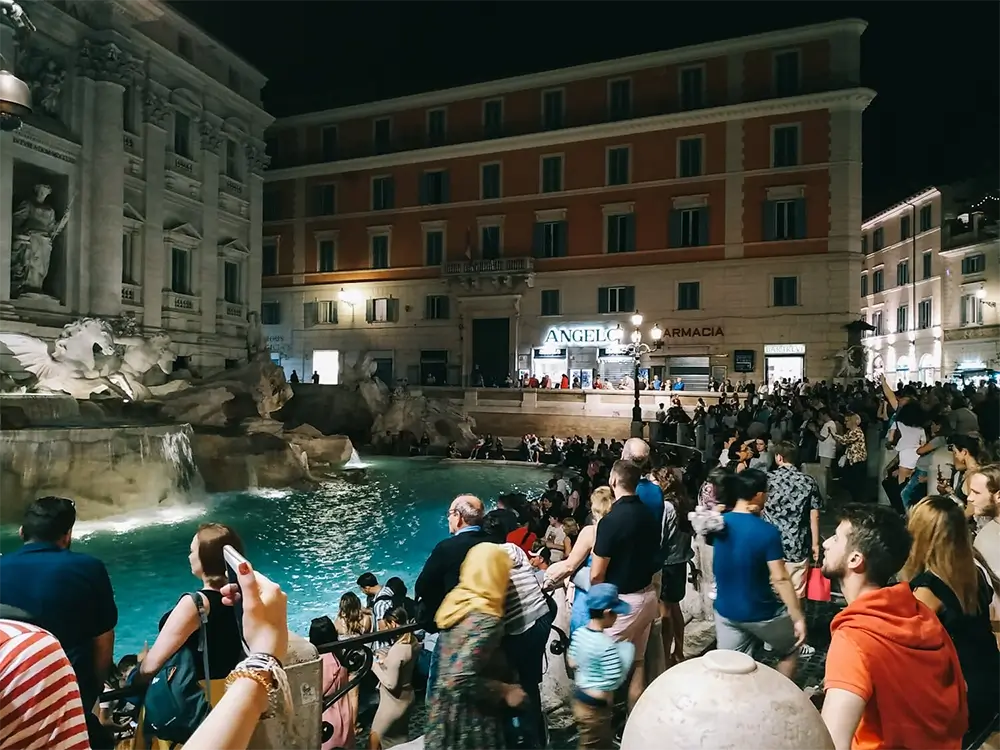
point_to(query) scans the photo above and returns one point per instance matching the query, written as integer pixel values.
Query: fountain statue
(850, 361)
(35, 228)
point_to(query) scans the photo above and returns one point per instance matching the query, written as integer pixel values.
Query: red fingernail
(244, 568)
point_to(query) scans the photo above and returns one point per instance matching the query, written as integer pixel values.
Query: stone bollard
(305, 676)
(762, 708)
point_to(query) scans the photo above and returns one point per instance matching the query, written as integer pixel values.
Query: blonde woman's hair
(942, 545)
(600, 503)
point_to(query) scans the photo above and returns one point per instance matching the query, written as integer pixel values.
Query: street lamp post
(636, 348)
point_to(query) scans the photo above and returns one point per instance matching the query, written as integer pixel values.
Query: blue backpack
(175, 704)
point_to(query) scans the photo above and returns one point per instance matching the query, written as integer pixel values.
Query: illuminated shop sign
(606, 335)
(784, 349)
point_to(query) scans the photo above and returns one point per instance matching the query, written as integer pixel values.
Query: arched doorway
(927, 371)
(903, 367)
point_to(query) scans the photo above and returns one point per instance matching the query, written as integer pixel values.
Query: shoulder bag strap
(203, 641)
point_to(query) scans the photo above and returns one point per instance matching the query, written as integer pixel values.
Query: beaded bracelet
(267, 672)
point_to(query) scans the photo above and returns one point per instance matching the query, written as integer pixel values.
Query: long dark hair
(675, 494)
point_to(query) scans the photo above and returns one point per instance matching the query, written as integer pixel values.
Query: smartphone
(233, 561)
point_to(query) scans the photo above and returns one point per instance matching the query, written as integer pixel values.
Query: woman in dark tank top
(944, 575)
(180, 628)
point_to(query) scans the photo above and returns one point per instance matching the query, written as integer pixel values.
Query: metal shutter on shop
(694, 371)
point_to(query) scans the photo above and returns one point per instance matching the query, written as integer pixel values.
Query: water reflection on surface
(315, 544)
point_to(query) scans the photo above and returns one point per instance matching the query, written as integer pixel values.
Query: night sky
(935, 66)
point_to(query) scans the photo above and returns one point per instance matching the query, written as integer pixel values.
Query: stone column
(210, 283)
(256, 163)
(110, 68)
(156, 115)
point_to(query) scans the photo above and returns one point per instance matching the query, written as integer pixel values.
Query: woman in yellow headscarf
(466, 706)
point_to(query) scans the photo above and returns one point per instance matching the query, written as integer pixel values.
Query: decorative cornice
(106, 61)
(257, 160)
(156, 109)
(603, 69)
(211, 136)
(856, 99)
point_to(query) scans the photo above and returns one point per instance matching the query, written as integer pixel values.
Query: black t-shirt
(631, 541)
(225, 647)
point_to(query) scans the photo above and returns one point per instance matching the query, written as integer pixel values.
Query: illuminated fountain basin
(315, 544)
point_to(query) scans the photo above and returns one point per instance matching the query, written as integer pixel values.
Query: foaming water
(315, 544)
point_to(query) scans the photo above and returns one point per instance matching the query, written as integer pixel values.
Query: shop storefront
(784, 361)
(583, 351)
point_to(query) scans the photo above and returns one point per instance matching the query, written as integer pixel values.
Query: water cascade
(355, 462)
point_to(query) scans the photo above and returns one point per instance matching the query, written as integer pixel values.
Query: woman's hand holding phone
(265, 611)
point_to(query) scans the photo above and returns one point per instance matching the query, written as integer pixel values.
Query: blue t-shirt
(651, 496)
(741, 553)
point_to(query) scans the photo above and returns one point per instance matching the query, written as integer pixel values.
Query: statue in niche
(46, 78)
(35, 228)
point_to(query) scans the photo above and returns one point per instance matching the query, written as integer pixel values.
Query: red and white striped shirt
(40, 704)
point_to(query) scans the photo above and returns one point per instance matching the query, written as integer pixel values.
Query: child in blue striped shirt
(601, 666)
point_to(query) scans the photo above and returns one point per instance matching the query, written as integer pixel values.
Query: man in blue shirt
(636, 450)
(67, 593)
(749, 566)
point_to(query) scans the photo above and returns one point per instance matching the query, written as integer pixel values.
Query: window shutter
(445, 188)
(428, 301)
(562, 238)
(445, 312)
(630, 232)
(800, 219)
(629, 299)
(674, 229)
(393, 310)
(768, 221)
(602, 299)
(370, 310)
(703, 226)
(390, 192)
(614, 242)
(538, 240)
(424, 180)
(310, 314)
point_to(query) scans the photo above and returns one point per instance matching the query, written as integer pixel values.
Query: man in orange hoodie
(892, 674)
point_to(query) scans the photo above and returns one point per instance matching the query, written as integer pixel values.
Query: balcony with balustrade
(499, 274)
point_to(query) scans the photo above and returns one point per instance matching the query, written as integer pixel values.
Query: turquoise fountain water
(315, 544)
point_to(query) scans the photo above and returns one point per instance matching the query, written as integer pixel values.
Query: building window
(878, 239)
(689, 157)
(618, 165)
(550, 302)
(322, 200)
(550, 239)
(786, 291)
(924, 314)
(434, 188)
(128, 258)
(326, 312)
(785, 220)
(434, 247)
(328, 142)
(270, 313)
(620, 99)
(180, 270)
(184, 47)
(552, 109)
(621, 233)
(182, 135)
(973, 264)
(877, 323)
(972, 310)
(785, 148)
(616, 299)
(436, 307)
(928, 260)
(269, 260)
(926, 218)
(489, 241)
(904, 227)
(437, 123)
(380, 250)
(552, 174)
(490, 182)
(864, 244)
(692, 87)
(689, 227)
(493, 118)
(382, 310)
(271, 207)
(689, 295)
(902, 319)
(231, 282)
(232, 159)
(864, 285)
(327, 256)
(878, 281)
(903, 273)
(787, 73)
(383, 193)
(382, 134)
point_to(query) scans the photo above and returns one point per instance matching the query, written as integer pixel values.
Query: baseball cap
(603, 596)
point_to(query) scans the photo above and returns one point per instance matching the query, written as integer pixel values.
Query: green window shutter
(369, 310)
(801, 230)
(630, 232)
(703, 226)
(602, 299)
(538, 240)
(674, 229)
(767, 221)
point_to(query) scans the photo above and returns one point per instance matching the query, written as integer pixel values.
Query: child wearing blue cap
(601, 665)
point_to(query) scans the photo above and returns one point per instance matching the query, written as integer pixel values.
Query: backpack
(175, 704)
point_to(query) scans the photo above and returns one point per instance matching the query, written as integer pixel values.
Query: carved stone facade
(152, 169)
